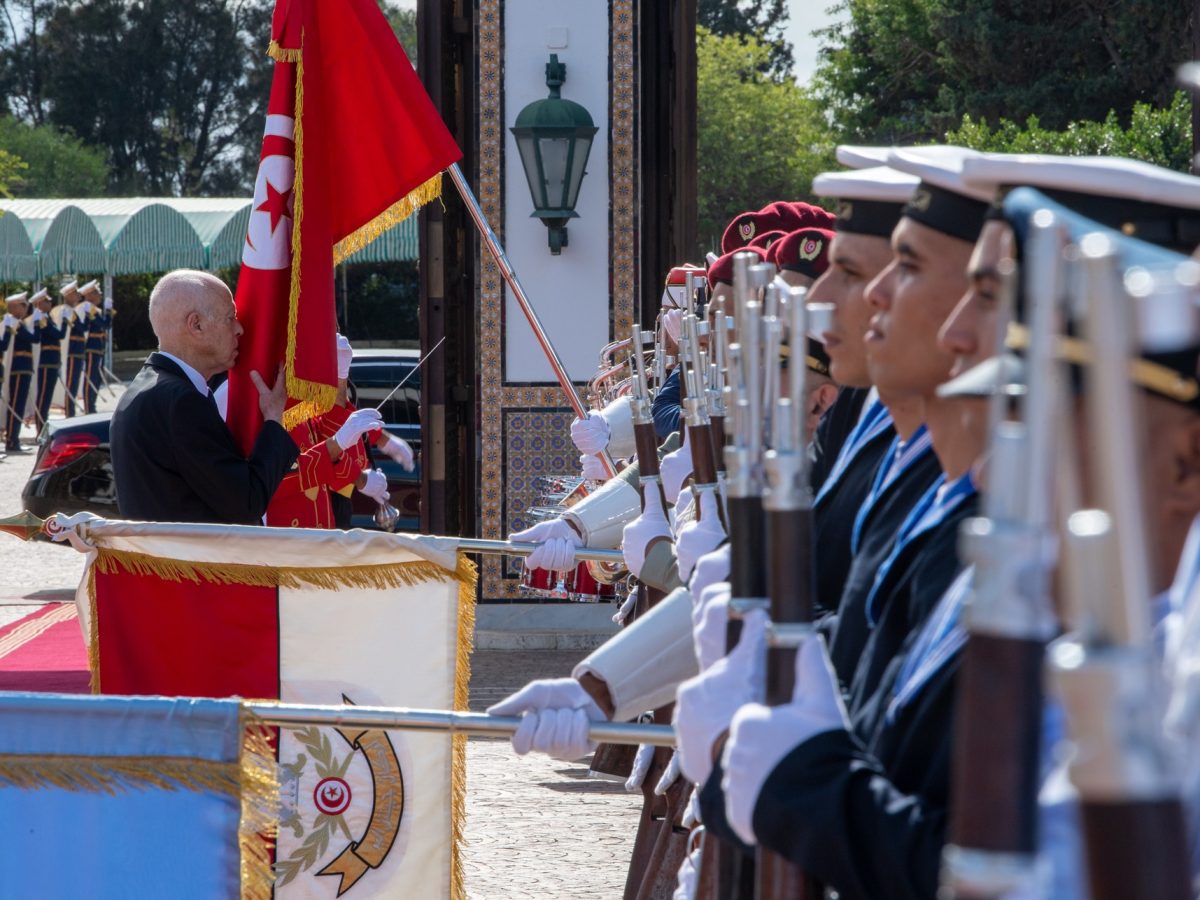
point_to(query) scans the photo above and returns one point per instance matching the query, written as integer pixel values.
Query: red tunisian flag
(352, 146)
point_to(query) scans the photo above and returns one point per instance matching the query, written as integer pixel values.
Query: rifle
(693, 367)
(991, 848)
(729, 873)
(790, 583)
(1132, 812)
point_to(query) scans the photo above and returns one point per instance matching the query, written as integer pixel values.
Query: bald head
(193, 317)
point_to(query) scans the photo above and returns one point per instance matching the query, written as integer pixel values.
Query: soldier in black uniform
(22, 337)
(49, 339)
(99, 317)
(74, 321)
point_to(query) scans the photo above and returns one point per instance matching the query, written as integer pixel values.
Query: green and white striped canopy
(40, 239)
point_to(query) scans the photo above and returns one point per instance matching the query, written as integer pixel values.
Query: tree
(1159, 136)
(22, 62)
(761, 138)
(10, 169)
(762, 20)
(907, 70)
(175, 93)
(59, 165)
(404, 26)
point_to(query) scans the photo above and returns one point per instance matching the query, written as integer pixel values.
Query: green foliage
(762, 20)
(10, 168)
(761, 137)
(175, 93)
(404, 26)
(1159, 136)
(907, 70)
(59, 164)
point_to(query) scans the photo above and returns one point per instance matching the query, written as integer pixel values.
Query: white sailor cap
(869, 201)
(944, 200)
(43, 294)
(69, 287)
(92, 286)
(17, 298)
(857, 156)
(1137, 198)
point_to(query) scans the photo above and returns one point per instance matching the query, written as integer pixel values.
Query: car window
(374, 380)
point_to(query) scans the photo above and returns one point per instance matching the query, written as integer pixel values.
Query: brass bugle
(295, 715)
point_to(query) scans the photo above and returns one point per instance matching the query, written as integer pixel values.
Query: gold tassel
(259, 824)
(93, 648)
(467, 575)
(389, 218)
(381, 577)
(282, 54)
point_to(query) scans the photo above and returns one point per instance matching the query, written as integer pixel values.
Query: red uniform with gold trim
(302, 499)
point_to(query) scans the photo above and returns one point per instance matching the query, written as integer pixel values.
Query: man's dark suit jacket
(176, 461)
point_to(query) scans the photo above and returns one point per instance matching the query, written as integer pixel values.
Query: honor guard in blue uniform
(74, 321)
(99, 317)
(20, 373)
(49, 337)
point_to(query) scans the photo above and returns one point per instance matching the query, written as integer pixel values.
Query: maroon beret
(766, 239)
(805, 251)
(721, 271)
(777, 216)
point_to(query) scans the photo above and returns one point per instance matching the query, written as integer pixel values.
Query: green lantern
(554, 137)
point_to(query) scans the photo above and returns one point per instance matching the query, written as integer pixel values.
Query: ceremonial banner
(352, 146)
(305, 616)
(133, 797)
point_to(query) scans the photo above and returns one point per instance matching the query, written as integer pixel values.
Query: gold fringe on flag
(313, 398)
(282, 54)
(93, 647)
(467, 576)
(380, 577)
(253, 780)
(259, 824)
(389, 218)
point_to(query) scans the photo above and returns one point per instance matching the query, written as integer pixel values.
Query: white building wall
(569, 292)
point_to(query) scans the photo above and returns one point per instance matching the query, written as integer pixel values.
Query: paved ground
(536, 827)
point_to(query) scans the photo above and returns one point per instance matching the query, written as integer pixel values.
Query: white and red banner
(304, 616)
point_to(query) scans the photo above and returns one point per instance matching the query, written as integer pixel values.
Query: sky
(806, 16)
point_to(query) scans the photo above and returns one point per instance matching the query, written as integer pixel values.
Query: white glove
(555, 713)
(709, 569)
(699, 536)
(669, 776)
(641, 765)
(376, 486)
(637, 535)
(345, 353)
(626, 608)
(398, 449)
(108, 303)
(558, 542)
(672, 321)
(591, 468)
(85, 308)
(68, 315)
(590, 435)
(691, 812)
(10, 321)
(704, 705)
(675, 469)
(38, 315)
(688, 878)
(356, 425)
(710, 621)
(761, 736)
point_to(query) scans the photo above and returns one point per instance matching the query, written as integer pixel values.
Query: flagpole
(294, 715)
(510, 278)
(524, 548)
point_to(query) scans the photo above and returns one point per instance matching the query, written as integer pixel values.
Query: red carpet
(44, 652)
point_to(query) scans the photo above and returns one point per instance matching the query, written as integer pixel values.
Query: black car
(73, 471)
